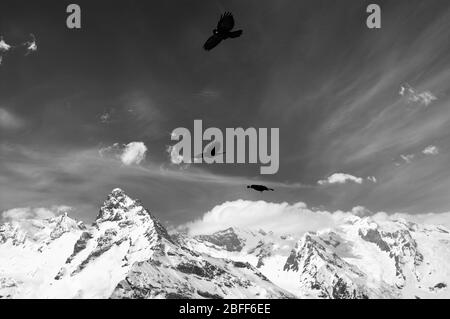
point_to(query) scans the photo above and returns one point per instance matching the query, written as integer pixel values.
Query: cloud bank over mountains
(26, 213)
(284, 218)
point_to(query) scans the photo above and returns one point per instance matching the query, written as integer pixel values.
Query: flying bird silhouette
(260, 188)
(222, 32)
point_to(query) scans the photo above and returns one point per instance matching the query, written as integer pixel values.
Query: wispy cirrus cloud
(368, 120)
(209, 94)
(41, 177)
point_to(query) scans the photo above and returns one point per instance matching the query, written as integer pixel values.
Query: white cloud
(174, 155)
(25, 213)
(441, 219)
(341, 178)
(134, 153)
(280, 218)
(425, 98)
(110, 150)
(128, 154)
(283, 218)
(361, 211)
(4, 47)
(431, 150)
(408, 158)
(9, 121)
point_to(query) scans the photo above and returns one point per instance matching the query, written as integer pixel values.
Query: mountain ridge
(128, 253)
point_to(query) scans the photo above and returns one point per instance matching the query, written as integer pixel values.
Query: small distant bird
(222, 32)
(260, 188)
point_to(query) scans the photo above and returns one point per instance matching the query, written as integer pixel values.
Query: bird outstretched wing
(213, 41)
(226, 22)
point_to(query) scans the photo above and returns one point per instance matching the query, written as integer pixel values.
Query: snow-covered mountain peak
(322, 273)
(362, 257)
(38, 231)
(127, 253)
(121, 211)
(228, 239)
(116, 206)
(12, 233)
(63, 224)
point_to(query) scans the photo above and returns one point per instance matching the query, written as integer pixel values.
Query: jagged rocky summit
(128, 253)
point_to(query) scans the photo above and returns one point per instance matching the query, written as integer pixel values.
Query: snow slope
(126, 253)
(360, 259)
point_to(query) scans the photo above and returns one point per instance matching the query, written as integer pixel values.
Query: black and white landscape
(339, 190)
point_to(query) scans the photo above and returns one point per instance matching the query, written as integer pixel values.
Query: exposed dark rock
(226, 239)
(240, 264)
(374, 236)
(205, 269)
(440, 285)
(291, 262)
(79, 245)
(174, 295)
(208, 295)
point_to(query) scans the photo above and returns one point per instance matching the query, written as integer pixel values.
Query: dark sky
(311, 68)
